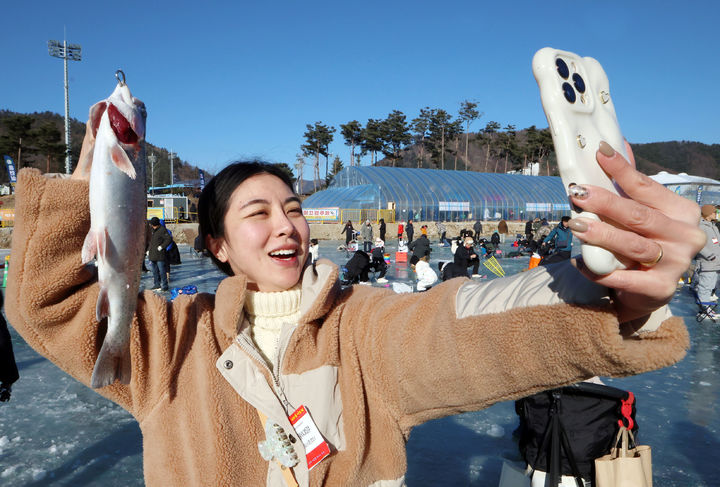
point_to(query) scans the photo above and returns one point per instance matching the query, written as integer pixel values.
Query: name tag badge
(714, 240)
(316, 448)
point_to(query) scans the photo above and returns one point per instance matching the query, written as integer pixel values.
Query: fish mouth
(121, 126)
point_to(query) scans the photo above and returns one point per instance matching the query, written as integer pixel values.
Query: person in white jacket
(425, 275)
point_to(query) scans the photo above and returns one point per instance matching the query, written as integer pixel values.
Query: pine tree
(468, 114)
(352, 133)
(396, 134)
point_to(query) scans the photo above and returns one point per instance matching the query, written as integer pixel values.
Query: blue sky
(230, 80)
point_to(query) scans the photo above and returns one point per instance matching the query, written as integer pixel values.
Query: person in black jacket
(382, 229)
(159, 241)
(409, 231)
(377, 262)
(8, 368)
(357, 268)
(420, 247)
(348, 231)
(529, 230)
(465, 256)
(478, 227)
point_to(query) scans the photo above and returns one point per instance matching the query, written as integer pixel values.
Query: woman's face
(266, 235)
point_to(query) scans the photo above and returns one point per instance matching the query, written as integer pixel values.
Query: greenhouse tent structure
(436, 195)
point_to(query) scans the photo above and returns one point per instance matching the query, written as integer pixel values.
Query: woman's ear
(217, 247)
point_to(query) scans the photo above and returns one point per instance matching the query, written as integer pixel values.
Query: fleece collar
(320, 286)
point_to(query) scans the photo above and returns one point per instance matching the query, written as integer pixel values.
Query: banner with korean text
(321, 215)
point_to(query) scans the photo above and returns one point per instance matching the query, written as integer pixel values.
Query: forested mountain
(38, 140)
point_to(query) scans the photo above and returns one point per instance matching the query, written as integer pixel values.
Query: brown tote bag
(624, 466)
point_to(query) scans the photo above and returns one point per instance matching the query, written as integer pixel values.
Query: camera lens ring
(562, 68)
(569, 92)
(578, 82)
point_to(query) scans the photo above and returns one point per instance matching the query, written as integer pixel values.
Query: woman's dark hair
(215, 198)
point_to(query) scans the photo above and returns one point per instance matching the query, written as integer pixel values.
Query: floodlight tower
(152, 158)
(172, 176)
(65, 51)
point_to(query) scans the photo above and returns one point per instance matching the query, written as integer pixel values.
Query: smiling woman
(284, 378)
(252, 223)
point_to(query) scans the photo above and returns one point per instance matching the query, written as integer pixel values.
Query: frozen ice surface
(57, 432)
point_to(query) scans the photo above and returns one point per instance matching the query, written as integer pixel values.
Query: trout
(117, 224)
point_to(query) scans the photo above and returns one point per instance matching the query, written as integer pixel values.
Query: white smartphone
(575, 95)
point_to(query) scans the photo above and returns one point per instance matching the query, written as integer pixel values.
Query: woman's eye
(295, 210)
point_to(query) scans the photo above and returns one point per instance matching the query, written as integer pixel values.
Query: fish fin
(89, 249)
(95, 245)
(96, 113)
(102, 307)
(121, 161)
(110, 366)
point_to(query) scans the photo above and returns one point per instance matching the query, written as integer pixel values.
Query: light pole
(172, 177)
(299, 168)
(65, 51)
(152, 158)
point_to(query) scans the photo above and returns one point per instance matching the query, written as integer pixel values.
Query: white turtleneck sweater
(267, 312)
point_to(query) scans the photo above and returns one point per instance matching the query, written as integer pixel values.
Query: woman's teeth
(282, 254)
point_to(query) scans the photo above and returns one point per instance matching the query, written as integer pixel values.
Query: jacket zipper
(244, 342)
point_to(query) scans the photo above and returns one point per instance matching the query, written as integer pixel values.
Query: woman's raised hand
(655, 227)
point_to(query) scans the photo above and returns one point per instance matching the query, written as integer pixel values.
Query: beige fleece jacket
(368, 375)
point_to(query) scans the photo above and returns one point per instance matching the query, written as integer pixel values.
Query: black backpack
(562, 431)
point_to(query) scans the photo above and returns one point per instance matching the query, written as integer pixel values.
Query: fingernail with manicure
(577, 191)
(578, 225)
(606, 149)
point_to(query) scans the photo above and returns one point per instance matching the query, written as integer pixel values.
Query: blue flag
(11, 169)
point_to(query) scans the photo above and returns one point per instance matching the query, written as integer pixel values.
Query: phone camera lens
(578, 82)
(562, 68)
(569, 92)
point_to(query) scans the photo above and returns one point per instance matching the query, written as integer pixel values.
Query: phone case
(575, 95)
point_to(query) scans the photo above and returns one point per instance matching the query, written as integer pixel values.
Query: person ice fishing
(561, 239)
(218, 380)
(377, 260)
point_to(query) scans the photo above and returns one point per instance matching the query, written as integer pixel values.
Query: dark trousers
(558, 256)
(476, 265)
(159, 269)
(379, 265)
(367, 245)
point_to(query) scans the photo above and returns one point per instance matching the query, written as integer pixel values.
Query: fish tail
(111, 365)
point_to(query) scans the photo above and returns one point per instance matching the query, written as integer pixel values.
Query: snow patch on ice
(9, 472)
(38, 473)
(496, 431)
